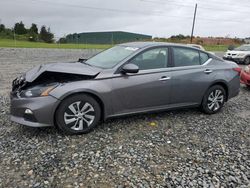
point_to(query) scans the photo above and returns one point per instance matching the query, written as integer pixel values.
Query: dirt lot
(184, 148)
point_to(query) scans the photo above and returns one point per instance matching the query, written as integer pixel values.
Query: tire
(247, 61)
(211, 104)
(78, 114)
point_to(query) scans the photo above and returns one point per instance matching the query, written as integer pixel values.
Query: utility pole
(192, 34)
(14, 36)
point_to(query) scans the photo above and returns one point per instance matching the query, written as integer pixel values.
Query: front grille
(18, 83)
(13, 94)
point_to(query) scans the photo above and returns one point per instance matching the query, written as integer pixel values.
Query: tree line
(20, 32)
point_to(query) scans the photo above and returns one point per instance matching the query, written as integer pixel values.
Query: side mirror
(130, 68)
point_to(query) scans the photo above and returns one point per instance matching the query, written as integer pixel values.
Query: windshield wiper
(83, 61)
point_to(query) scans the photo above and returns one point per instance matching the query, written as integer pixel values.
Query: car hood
(67, 68)
(237, 52)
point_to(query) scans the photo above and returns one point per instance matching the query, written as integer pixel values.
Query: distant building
(247, 40)
(113, 37)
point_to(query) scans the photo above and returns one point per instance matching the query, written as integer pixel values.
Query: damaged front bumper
(33, 112)
(31, 102)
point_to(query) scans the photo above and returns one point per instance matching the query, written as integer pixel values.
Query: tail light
(247, 69)
(237, 69)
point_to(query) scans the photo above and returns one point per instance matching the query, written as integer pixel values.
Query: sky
(159, 18)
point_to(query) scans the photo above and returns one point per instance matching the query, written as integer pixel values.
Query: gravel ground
(183, 148)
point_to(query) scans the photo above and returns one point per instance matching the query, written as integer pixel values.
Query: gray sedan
(127, 79)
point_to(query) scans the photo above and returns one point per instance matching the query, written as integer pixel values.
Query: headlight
(38, 91)
(241, 55)
(247, 69)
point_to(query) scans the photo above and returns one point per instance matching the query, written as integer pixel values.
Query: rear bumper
(245, 78)
(233, 87)
(42, 108)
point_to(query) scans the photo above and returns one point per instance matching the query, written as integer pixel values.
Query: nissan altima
(126, 79)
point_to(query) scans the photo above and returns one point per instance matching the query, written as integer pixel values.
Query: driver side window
(152, 59)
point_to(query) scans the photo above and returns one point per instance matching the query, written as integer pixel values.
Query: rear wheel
(247, 61)
(214, 99)
(78, 114)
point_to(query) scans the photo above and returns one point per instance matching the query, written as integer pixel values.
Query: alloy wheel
(215, 100)
(79, 115)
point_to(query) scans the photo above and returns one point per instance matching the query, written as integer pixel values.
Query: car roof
(151, 44)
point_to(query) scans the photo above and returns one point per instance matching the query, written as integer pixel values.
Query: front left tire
(247, 61)
(78, 114)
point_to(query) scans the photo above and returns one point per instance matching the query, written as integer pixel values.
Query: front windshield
(243, 48)
(111, 57)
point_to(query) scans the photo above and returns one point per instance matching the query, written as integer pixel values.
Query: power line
(90, 7)
(134, 12)
(206, 3)
(190, 6)
(225, 3)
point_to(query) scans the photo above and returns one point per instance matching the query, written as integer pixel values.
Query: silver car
(239, 55)
(127, 79)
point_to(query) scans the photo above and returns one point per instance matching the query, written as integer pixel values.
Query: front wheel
(247, 61)
(214, 99)
(78, 114)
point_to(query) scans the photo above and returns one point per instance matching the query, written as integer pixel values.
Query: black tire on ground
(247, 61)
(207, 104)
(78, 114)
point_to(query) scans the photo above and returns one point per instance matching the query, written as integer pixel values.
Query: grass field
(26, 44)
(216, 48)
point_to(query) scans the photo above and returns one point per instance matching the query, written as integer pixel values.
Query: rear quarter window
(203, 57)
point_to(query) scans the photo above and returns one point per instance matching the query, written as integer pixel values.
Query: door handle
(208, 71)
(164, 78)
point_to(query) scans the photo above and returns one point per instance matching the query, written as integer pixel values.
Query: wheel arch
(89, 93)
(222, 84)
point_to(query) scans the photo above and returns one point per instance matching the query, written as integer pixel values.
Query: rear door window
(185, 57)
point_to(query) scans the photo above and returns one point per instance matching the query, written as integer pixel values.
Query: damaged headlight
(38, 91)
